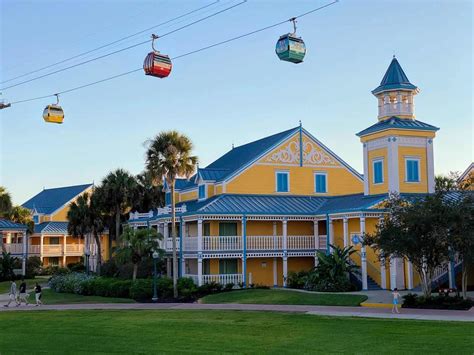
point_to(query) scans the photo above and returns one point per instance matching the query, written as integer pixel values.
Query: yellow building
(265, 208)
(51, 240)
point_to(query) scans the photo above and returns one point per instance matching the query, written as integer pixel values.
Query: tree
(137, 245)
(168, 157)
(86, 219)
(22, 215)
(149, 193)
(116, 195)
(5, 202)
(415, 230)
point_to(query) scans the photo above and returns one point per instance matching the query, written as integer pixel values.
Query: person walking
(12, 294)
(23, 294)
(396, 298)
(38, 294)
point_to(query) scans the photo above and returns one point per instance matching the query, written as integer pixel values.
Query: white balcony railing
(264, 242)
(77, 249)
(223, 279)
(222, 243)
(300, 242)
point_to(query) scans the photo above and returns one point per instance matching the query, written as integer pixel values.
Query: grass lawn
(173, 331)
(51, 297)
(263, 296)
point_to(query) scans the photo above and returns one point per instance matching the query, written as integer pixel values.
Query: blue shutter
(320, 183)
(168, 198)
(202, 191)
(378, 172)
(413, 174)
(282, 182)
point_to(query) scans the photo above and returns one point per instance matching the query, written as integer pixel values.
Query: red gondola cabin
(157, 64)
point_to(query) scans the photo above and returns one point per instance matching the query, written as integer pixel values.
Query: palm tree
(117, 194)
(22, 215)
(169, 156)
(137, 245)
(149, 193)
(5, 202)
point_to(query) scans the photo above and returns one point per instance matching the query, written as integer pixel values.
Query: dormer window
(202, 192)
(36, 219)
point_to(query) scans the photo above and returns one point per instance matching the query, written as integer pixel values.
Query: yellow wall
(261, 270)
(188, 195)
(373, 155)
(420, 153)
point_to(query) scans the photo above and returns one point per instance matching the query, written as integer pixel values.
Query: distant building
(466, 180)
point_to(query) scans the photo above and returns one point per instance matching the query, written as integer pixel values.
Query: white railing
(52, 249)
(136, 215)
(323, 241)
(298, 242)
(17, 248)
(169, 244)
(75, 249)
(222, 243)
(167, 210)
(264, 242)
(190, 243)
(223, 279)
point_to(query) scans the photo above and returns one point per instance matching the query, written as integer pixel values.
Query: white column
(392, 165)
(410, 275)
(331, 234)
(275, 272)
(383, 272)
(183, 260)
(430, 165)
(393, 272)
(23, 261)
(366, 168)
(165, 231)
(316, 234)
(41, 247)
(199, 250)
(285, 236)
(168, 267)
(450, 275)
(363, 256)
(64, 249)
(9, 238)
(345, 222)
(285, 270)
(274, 229)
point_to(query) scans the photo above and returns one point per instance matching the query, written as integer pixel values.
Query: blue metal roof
(49, 200)
(240, 156)
(6, 224)
(181, 184)
(347, 203)
(212, 174)
(52, 227)
(398, 123)
(394, 78)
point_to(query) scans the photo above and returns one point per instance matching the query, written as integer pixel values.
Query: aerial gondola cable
(111, 43)
(124, 49)
(181, 55)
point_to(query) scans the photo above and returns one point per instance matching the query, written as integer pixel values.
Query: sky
(231, 94)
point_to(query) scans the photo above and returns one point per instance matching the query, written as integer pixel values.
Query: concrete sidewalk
(418, 314)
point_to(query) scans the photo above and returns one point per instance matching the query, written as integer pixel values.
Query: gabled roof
(394, 78)
(398, 123)
(466, 172)
(52, 227)
(208, 174)
(50, 200)
(6, 224)
(239, 157)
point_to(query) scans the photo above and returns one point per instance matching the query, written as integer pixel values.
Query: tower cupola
(395, 94)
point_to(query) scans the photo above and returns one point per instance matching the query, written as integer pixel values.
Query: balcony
(254, 243)
(17, 248)
(222, 279)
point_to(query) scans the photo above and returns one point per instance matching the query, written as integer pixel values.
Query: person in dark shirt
(23, 294)
(38, 294)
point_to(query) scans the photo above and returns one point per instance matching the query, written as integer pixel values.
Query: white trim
(378, 160)
(430, 165)
(412, 158)
(326, 180)
(393, 167)
(287, 172)
(366, 168)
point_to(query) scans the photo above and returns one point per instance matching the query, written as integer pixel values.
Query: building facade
(265, 208)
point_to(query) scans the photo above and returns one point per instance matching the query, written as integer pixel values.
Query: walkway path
(420, 314)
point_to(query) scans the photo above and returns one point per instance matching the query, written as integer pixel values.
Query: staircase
(371, 284)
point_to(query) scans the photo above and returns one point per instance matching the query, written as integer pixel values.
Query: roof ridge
(66, 187)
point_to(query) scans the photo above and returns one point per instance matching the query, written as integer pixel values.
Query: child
(396, 297)
(38, 294)
(12, 294)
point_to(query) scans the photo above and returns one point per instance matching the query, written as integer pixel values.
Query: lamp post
(155, 259)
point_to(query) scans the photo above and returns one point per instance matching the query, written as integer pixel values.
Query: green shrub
(33, 267)
(142, 290)
(76, 267)
(229, 286)
(297, 279)
(209, 289)
(187, 290)
(436, 302)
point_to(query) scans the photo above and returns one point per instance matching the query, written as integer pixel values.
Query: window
(36, 219)
(320, 181)
(202, 192)
(168, 198)
(54, 240)
(206, 229)
(378, 171)
(228, 266)
(412, 170)
(227, 229)
(53, 261)
(282, 184)
(206, 267)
